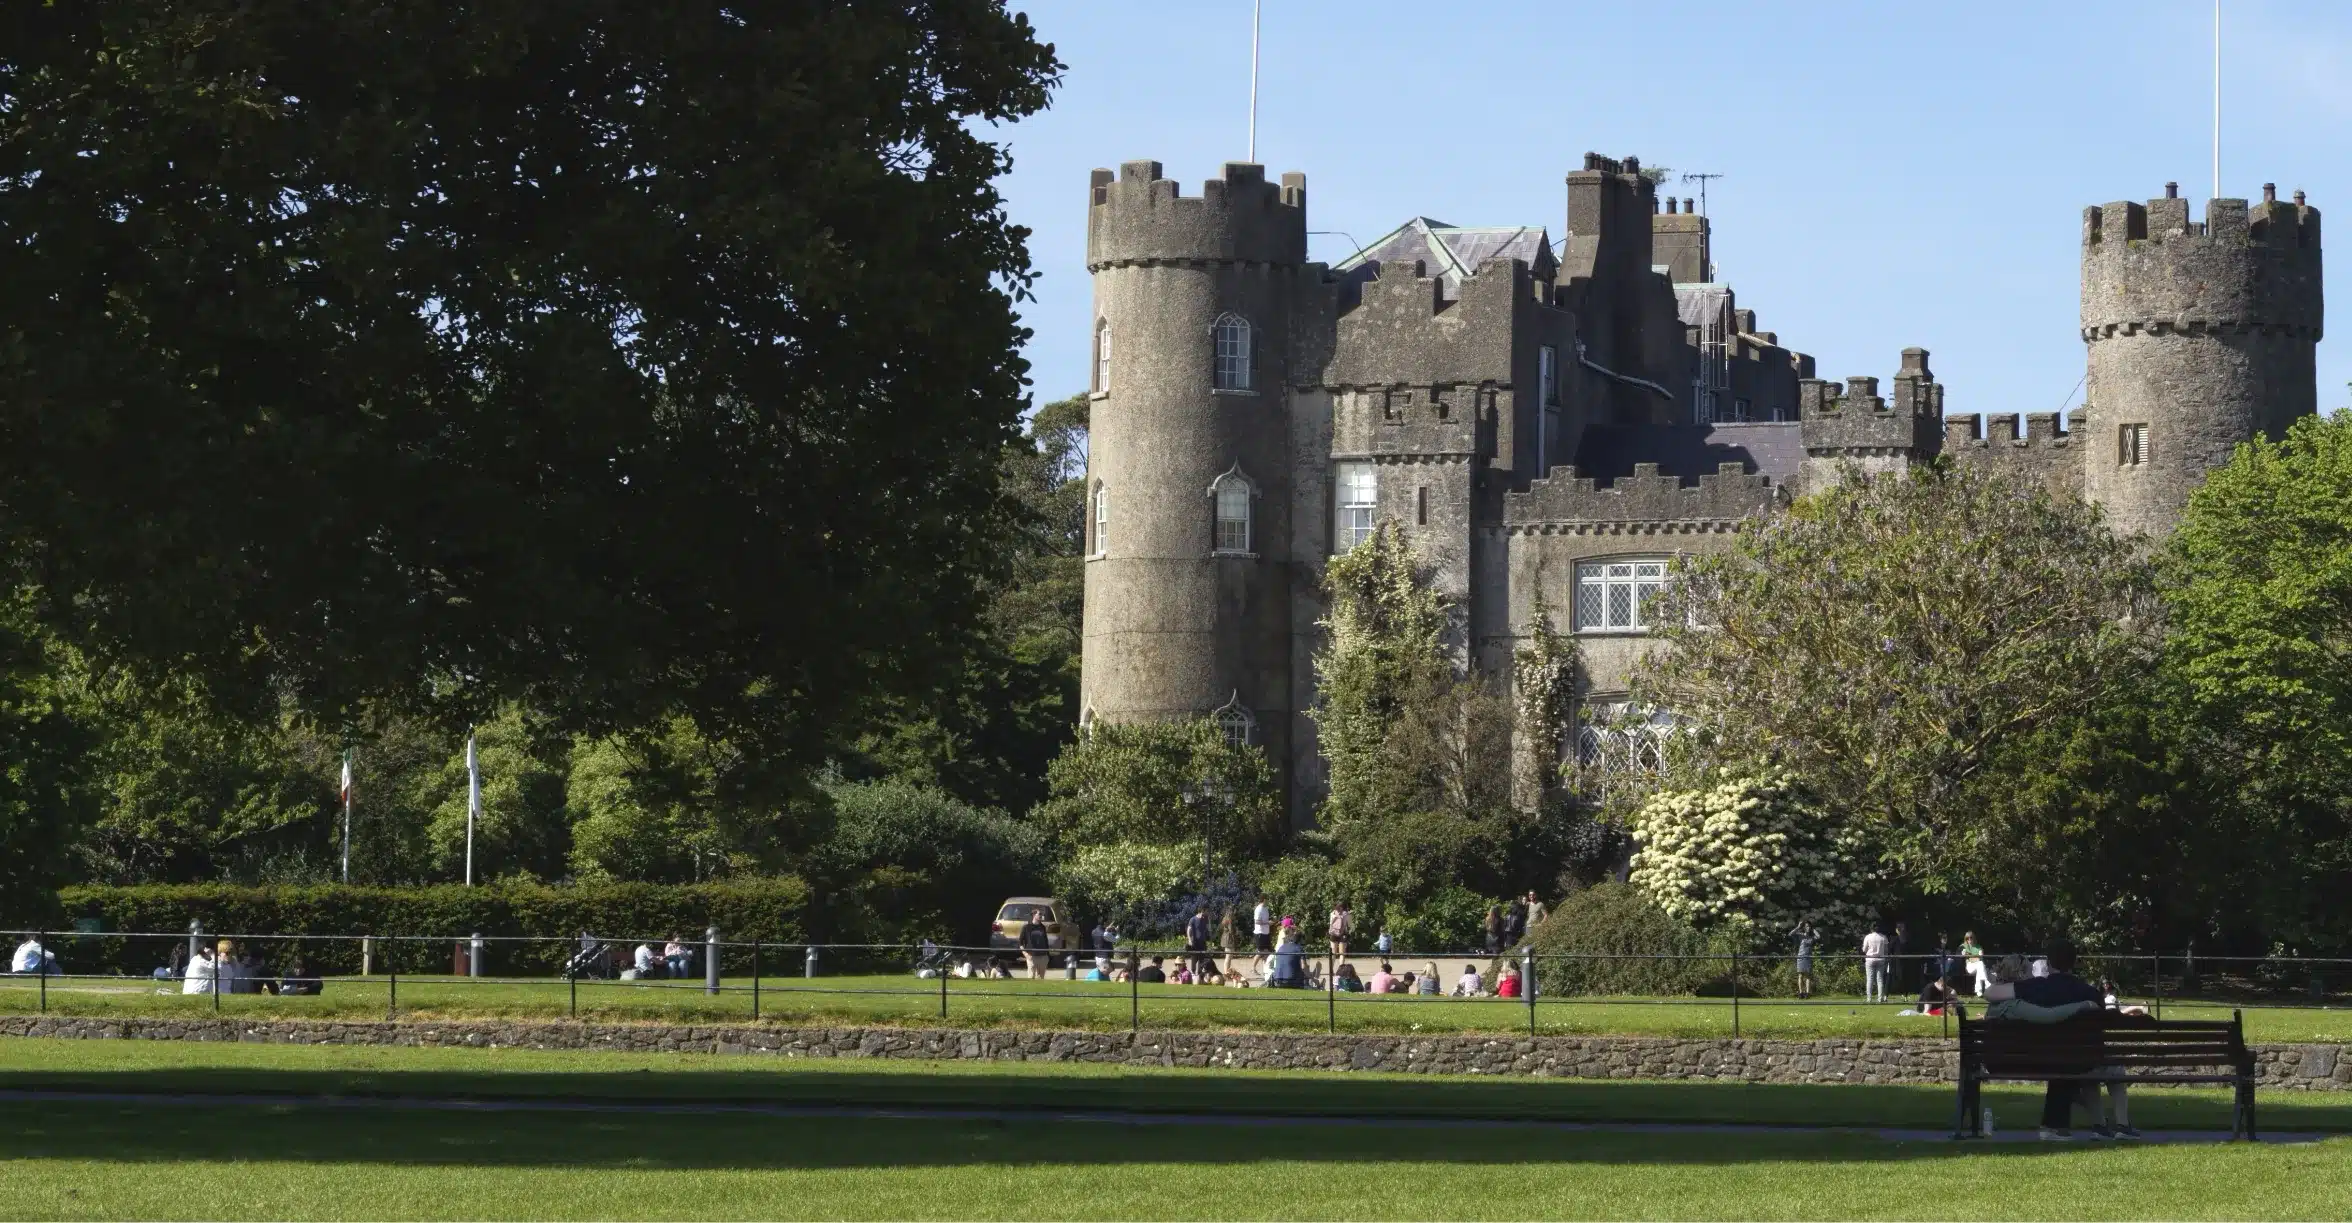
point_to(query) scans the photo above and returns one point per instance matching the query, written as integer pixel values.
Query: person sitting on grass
(1507, 985)
(677, 958)
(32, 957)
(1933, 998)
(1284, 969)
(1345, 980)
(202, 974)
(300, 980)
(1429, 985)
(1384, 981)
(1408, 984)
(1471, 985)
(642, 963)
(1152, 973)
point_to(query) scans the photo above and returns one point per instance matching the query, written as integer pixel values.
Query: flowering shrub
(1130, 883)
(1750, 853)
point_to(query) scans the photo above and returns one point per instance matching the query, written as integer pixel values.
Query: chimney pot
(1686, 206)
(2298, 199)
(2172, 191)
(2270, 193)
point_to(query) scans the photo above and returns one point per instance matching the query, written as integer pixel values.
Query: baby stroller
(591, 960)
(932, 960)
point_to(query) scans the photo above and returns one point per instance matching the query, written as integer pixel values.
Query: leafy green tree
(1164, 783)
(925, 860)
(630, 360)
(1887, 639)
(44, 795)
(999, 714)
(2258, 582)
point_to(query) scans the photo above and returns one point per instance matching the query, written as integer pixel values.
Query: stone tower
(1189, 468)
(2201, 335)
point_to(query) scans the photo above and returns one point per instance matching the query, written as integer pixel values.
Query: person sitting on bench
(2065, 995)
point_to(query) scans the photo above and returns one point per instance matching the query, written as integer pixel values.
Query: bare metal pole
(1255, 6)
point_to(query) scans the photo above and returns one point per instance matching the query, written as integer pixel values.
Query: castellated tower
(1189, 523)
(2201, 336)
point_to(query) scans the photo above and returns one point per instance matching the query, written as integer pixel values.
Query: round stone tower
(1188, 574)
(2201, 336)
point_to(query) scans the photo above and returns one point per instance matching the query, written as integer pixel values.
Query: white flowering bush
(1751, 854)
(1129, 882)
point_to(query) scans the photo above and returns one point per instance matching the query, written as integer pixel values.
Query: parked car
(1061, 932)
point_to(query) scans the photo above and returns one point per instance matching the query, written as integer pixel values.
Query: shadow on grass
(611, 1141)
(1018, 1087)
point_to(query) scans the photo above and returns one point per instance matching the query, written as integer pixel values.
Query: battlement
(1644, 500)
(1141, 217)
(2150, 268)
(1856, 420)
(1998, 431)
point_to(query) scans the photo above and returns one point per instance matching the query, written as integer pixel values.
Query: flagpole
(473, 803)
(2217, 99)
(346, 815)
(1255, 6)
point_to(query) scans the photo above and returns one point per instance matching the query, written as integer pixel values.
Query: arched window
(1238, 723)
(1233, 342)
(1102, 521)
(1232, 494)
(1102, 357)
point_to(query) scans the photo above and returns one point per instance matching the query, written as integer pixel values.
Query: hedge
(779, 910)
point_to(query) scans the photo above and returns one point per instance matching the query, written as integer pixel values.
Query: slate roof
(1448, 252)
(1771, 448)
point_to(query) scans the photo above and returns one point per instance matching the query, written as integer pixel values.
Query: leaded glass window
(1231, 333)
(1614, 596)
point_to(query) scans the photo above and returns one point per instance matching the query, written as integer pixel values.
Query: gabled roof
(1450, 252)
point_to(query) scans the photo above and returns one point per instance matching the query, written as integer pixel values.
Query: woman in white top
(1471, 985)
(200, 973)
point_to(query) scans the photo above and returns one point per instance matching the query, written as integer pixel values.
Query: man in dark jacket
(2058, 989)
(1035, 940)
(1196, 942)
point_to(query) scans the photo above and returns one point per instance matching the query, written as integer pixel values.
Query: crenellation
(1726, 496)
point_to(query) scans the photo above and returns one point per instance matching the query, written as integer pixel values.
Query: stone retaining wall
(2319, 1067)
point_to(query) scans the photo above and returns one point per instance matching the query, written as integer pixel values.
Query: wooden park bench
(2104, 1047)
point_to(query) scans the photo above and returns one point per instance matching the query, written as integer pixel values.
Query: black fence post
(1331, 988)
(392, 974)
(2159, 973)
(1527, 984)
(574, 978)
(1134, 993)
(755, 975)
(943, 974)
(44, 971)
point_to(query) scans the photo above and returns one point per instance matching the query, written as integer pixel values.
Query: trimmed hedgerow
(779, 910)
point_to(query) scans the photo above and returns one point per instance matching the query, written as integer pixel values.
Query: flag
(473, 782)
(346, 793)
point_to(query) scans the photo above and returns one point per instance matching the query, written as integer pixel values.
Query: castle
(1556, 420)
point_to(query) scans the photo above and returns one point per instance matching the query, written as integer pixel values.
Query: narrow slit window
(1102, 522)
(2131, 446)
(1102, 357)
(1421, 506)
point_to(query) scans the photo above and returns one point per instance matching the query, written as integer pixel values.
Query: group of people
(675, 962)
(226, 968)
(1507, 926)
(1884, 955)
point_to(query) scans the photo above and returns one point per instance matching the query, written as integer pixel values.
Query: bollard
(195, 937)
(808, 967)
(474, 955)
(710, 961)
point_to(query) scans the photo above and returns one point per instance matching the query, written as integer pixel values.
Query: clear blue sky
(1894, 174)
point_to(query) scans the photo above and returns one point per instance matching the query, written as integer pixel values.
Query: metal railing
(716, 978)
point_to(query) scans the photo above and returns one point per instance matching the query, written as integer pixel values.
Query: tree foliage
(1887, 639)
(1166, 784)
(1752, 857)
(631, 360)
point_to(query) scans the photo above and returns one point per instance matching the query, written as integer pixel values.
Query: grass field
(900, 999)
(100, 1159)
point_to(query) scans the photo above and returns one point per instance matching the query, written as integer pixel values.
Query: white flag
(346, 794)
(473, 781)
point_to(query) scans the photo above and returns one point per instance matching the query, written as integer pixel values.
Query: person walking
(1898, 952)
(1535, 911)
(1034, 943)
(1343, 924)
(1875, 946)
(1805, 936)
(1227, 941)
(1196, 942)
(1261, 936)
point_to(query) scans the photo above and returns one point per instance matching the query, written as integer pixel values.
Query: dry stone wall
(2312, 1067)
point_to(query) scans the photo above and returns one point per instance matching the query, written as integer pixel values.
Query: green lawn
(900, 999)
(106, 1160)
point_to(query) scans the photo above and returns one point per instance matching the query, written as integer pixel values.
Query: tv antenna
(1702, 180)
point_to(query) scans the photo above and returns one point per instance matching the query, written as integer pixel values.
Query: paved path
(1086, 1116)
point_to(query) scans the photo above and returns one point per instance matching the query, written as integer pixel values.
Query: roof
(1449, 252)
(1771, 448)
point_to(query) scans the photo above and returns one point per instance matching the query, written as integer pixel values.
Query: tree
(923, 857)
(1165, 784)
(998, 715)
(1752, 856)
(1888, 638)
(627, 359)
(1425, 791)
(44, 797)
(2258, 582)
